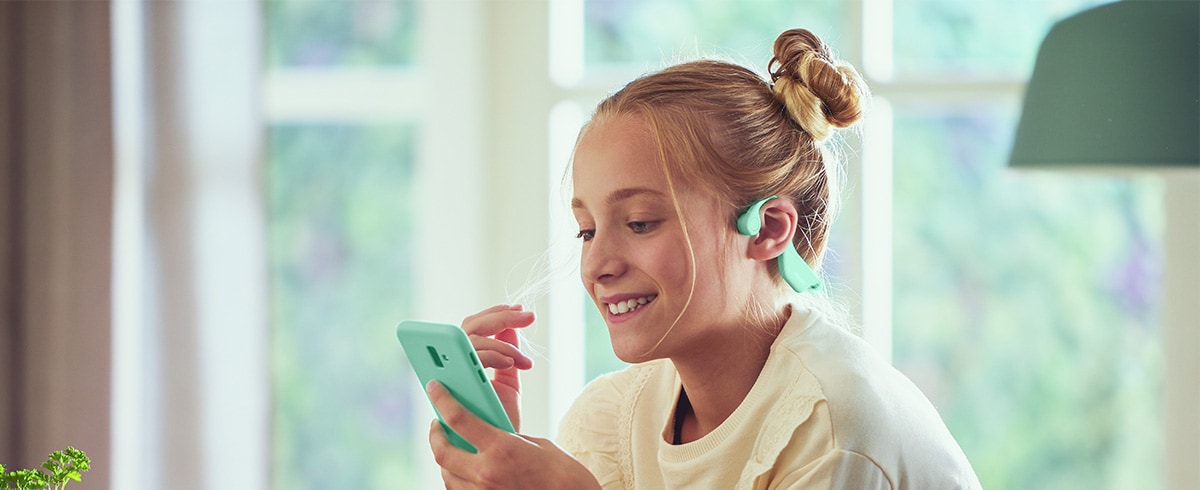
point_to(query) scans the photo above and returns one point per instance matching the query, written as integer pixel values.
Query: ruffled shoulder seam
(641, 375)
(792, 408)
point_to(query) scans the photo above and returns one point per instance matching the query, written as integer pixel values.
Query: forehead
(615, 154)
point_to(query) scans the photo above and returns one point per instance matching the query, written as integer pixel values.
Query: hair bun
(820, 92)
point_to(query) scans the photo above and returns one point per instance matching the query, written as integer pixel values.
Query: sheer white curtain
(190, 382)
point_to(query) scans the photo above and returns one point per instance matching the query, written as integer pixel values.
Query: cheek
(670, 262)
(719, 277)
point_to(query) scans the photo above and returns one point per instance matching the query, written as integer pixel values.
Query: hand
(492, 332)
(503, 460)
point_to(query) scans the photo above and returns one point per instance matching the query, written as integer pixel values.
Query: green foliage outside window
(350, 33)
(655, 32)
(1026, 305)
(953, 39)
(341, 264)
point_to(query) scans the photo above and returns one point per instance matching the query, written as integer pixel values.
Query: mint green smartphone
(442, 352)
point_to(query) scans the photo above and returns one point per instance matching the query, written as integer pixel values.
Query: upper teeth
(629, 305)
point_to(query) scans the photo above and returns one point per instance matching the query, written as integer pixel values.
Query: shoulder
(874, 411)
(863, 393)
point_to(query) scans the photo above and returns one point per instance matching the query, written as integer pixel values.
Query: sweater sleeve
(838, 469)
(591, 431)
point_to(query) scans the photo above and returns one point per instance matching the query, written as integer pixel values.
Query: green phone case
(442, 352)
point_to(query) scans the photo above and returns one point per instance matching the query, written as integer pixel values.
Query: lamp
(1117, 87)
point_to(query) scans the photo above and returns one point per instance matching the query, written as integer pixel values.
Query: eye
(586, 235)
(642, 226)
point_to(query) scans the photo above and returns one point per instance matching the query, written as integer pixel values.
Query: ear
(779, 219)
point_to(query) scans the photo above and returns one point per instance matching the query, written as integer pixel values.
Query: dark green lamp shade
(1117, 85)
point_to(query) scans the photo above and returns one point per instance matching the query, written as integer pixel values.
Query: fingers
(454, 482)
(450, 458)
(510, 377)
(472, 428)
(491, 333)
(495, 341)
(509, 461)
(510, 337)
(499, 353)
(496, 319)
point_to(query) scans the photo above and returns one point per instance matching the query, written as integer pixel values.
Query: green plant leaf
(63, 466)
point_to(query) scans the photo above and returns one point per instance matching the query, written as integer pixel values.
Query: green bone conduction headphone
(795, 271)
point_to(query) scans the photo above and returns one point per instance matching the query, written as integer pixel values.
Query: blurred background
(280, 183)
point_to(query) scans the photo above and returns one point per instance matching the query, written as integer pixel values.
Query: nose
(602, 260)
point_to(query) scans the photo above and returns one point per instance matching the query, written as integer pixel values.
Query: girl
(702, 194)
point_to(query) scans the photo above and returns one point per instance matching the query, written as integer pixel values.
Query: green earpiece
(795, 271)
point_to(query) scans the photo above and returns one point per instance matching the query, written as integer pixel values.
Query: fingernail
(430, 386)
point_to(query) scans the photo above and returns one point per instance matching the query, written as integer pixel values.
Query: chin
(633, 352)
(627, 358)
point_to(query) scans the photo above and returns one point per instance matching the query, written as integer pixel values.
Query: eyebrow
(621, 195)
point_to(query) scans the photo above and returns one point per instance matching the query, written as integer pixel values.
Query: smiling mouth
(623, 307)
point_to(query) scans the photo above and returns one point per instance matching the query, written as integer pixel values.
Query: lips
(621, 307)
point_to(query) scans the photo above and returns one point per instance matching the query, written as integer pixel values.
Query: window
(348, 152)
(1023, 304)
(342, 263)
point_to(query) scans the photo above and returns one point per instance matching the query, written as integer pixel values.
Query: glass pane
(975, 39)
(650, 32)
(341, 276)
(340, 33)
(835, 270)
(1026, 304)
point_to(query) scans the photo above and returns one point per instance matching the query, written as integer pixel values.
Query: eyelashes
(637, 227)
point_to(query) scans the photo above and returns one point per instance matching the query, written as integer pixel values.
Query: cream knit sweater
(825, 412)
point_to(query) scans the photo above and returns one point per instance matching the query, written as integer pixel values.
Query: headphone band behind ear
(794, 269)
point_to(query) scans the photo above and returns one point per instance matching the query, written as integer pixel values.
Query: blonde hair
(725, 129)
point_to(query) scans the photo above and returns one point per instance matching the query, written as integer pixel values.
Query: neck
(718, 378)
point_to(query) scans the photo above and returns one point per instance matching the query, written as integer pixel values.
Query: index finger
(497, 319)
